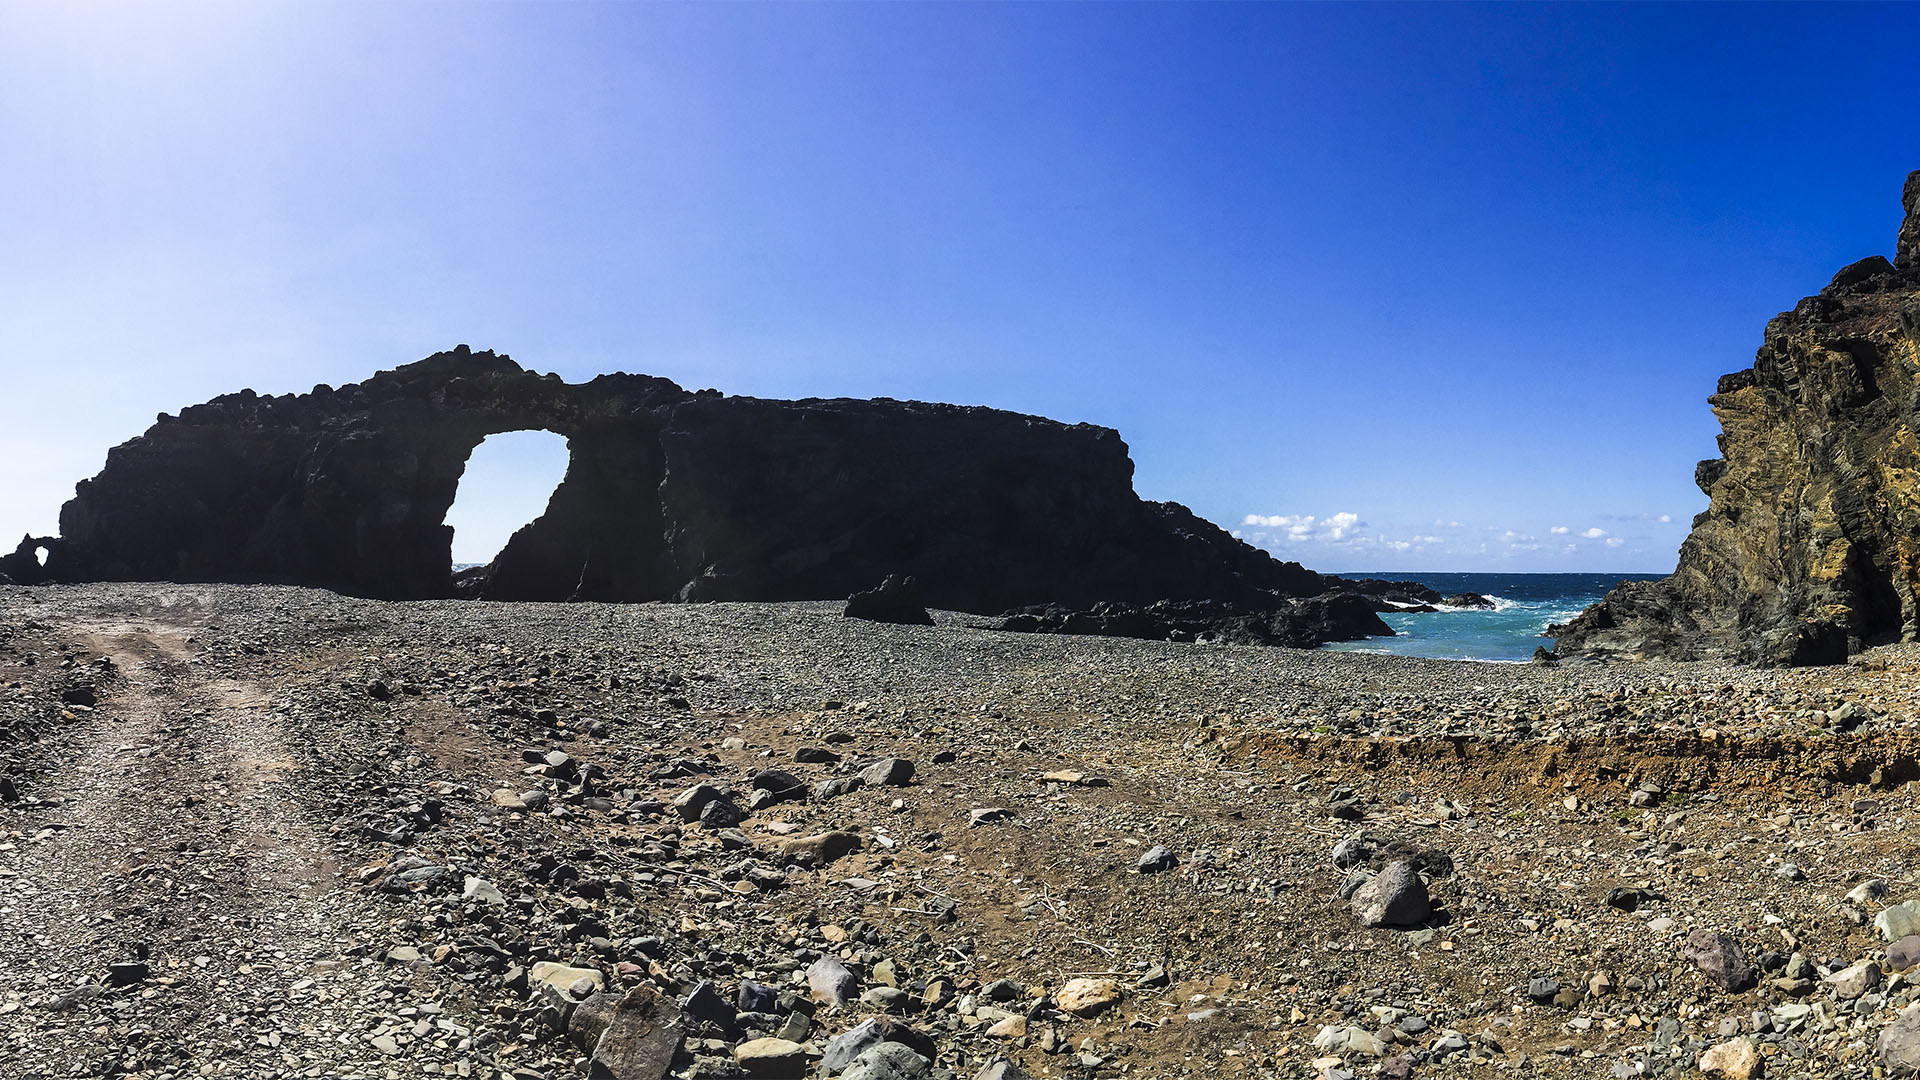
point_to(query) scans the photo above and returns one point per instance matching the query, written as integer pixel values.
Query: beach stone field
(273, 832)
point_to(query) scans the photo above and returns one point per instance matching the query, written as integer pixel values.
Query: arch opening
(508, 483)
(40, 553)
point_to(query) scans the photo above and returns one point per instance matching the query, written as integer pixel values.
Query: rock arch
(668, 494)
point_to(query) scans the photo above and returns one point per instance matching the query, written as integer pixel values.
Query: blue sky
(1380, 286)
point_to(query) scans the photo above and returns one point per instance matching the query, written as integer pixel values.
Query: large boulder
(1395, 897)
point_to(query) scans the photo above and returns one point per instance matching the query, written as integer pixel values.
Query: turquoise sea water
(1524, 604)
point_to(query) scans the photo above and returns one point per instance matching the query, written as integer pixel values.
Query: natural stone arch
(668, 495)
(507, 484)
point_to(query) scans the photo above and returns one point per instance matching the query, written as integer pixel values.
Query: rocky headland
(1807, 552)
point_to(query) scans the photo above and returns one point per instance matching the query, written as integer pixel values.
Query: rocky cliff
(668, 494)
(1810, 547)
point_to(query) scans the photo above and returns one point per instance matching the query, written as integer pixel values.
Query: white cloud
(1558, 530)
(1614, 541)
(1594, 533)
(1334, 528)
(1512, 537)
(1663, 518)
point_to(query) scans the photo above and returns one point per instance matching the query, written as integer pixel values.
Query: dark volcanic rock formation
(23, 567)
(897, 600)
(1811, 545)
(668, 495)
(1302, 623)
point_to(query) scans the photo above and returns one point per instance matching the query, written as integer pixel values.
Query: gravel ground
(274, 832)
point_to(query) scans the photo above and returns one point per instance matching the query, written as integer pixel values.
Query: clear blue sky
(1442, 276)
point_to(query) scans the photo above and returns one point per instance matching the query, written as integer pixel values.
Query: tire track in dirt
(171, 840)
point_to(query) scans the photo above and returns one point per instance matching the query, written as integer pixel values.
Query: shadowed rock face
(1811, 545)
(668, 495)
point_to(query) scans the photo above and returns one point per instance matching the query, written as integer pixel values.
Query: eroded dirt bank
(272, 832)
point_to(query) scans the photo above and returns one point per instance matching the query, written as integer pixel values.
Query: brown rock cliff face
(1810, 547)
(668, 495)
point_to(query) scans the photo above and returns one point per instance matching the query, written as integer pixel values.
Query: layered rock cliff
(668, 495)
(1810, 547)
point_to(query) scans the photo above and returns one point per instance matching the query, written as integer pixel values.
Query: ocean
(1524, 604)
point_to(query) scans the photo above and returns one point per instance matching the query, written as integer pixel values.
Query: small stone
(833, 789)
(1904, 953)
(1790, 872)
(780, 785)
(831, 982)
(1394, 897)
(821, 848)
(1899, 1044)
(1087, 997)
(772, 1057)
(1625, 898)
(706, 1003)
(1543, 991)
(1012, 1027)
(562, 977)
(1156, 860)
(482, 890)
(1854, 981)
(847, 1047)
(1351, 852)
(127, 973)
(1349, 1040)
(888, 1061)
(1898, 921)
(888, 772)
(535, 800)
(989, 815)
(1736, 1059)
(887, 999)
(721, 813)
(1868, 890)
(1721, 958)
(403, 954)
(755, 997)
(1001, 1069)
(690, 802)
(634, 1037)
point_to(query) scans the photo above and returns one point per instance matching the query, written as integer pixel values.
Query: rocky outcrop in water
(668, 495)
(1809, 548)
